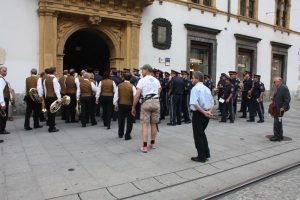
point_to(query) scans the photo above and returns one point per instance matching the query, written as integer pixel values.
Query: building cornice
(202, 29)
(247, 38)
(280, 45)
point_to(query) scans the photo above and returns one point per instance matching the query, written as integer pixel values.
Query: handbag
(272, 109)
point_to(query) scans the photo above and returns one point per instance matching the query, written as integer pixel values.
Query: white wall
(179, 15)
(19, 36)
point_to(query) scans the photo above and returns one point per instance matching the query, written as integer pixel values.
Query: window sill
(248, 20)
(282, 29)
(203, 8)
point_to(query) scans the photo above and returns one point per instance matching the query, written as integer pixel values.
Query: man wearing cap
(159, 76)
(176, 91)
(236, 82)
(115, 76)
(208, 83)
(149, 88)
(165, 96)
(227, 97)
(256, 99)
(247, 86)
(62, 83)
(220, 86)
(186, 97)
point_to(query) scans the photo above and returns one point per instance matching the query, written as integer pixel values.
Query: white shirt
(116, 96)
(40, 87)
(2, 86)
(94, 88)
(56, 86)
(201, 95)
(149, 85)
(99, 89)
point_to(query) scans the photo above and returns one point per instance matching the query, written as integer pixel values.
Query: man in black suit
(281, 99)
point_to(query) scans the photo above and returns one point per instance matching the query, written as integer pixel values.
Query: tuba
(34, 95)
(56, 105)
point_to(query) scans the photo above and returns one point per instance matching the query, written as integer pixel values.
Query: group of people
(128, 96)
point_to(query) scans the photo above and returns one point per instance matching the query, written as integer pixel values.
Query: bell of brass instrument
(34, 95)
(2, 113)
(56, 105)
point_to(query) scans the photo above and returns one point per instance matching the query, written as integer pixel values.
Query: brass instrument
(56, 105)
(43, 106)
(34, 95)
(2, 113)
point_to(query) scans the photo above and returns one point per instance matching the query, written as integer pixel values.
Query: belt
(155, 98)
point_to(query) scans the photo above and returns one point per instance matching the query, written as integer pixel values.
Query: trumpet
(2, 113)
(56, 105)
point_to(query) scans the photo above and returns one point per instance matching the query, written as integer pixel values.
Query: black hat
(223, 74)
(113, 69)
(174, 72)
(184, 72)
(136, 70)
(126, 69)
(227, 77)
(247, 72)
(207, 75)
(167, 73)
(232, 72)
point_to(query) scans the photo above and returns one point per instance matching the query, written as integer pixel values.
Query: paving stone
(148, 184)
(224, 165)
(102, 194)
(190, 174)
(170, 179)
(124, 190)
(207, 169)
(70, 197)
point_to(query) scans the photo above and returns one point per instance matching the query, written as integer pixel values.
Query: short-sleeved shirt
(149, 85)
(202, 96)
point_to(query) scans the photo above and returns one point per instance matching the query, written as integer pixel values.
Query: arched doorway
(86, 49)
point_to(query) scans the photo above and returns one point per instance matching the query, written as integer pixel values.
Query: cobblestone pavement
(282, 187)
(93, 163)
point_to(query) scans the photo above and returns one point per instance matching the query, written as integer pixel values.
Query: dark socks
(152, 141)
(145, 144)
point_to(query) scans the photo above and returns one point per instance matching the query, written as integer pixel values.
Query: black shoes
(243, 117)
(231, 121)
(1, 141)
(250, 120)
(178, 123)
(53, 130)
(188, 122)
(28, 128)
(197, 159)
(4, 132)
(260, 121)
(94, 124)
(39, 126)
(128, 137)
(275, 139)
(171, 124)
(222, 121)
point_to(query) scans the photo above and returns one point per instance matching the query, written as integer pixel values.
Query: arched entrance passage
(86, 49)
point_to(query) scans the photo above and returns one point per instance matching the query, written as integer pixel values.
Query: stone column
(132, 33)
(48, 40)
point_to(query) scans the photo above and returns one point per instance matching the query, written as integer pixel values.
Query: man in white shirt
(4, 100)
(123, 100)
(149, 88)
(52, 93)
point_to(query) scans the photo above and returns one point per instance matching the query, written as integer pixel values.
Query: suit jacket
(282, 98)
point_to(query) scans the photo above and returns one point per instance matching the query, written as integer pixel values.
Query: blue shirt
(201, 95)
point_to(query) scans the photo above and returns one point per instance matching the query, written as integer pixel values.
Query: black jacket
(282, 98)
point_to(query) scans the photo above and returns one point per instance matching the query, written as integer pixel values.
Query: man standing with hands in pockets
(201, 103)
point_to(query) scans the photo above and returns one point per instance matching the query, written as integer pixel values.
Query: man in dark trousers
(247, 85)
(201, 104)
(85, 95)
(4, 100)
(123, 100)
(257, 93)
(227, 97)
(220, 87)
(186, 97)
(62, 83)
(164, 93)
(31, 106)
(72, 83)
(159, 77)
(208, 82)
(114, 75)
(236, 83)
(281, 99)
(175, 92)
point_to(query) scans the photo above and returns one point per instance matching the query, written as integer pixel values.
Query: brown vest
(6, 92)
(125, 93)
(71, 87)
(31, 82)
(107, 88)
(62, 84)
(49, 86)
(85, 88)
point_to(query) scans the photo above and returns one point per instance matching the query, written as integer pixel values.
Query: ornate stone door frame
(117, 22)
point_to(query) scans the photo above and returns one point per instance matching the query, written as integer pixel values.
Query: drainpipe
(229, 10)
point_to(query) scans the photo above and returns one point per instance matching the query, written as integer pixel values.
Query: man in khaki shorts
(149, 88)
